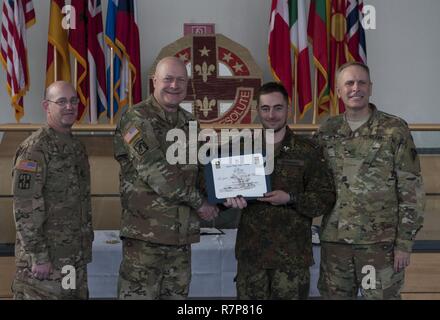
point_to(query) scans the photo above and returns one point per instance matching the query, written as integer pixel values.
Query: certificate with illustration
(242, 175)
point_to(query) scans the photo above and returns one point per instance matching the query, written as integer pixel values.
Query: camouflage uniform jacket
(51, 186)
(280, 236)
(377, 175)
(159, 199)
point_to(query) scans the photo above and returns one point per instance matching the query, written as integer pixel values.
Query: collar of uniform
(58, 135)
(157, 108)
(368, 128)
(285, 143)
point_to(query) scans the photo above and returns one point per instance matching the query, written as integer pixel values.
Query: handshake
(208, 211)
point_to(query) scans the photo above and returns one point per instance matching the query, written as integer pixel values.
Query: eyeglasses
(62, 102)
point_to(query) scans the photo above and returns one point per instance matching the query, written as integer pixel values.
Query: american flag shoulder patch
(131, 134)
(28, 166)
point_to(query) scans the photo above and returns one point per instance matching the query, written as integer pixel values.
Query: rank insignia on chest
(141, 147)
(28, 166)
(131, 134)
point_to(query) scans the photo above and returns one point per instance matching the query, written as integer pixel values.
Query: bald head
(56, 87)
(170, 62)
(170, 82)
(61, 106)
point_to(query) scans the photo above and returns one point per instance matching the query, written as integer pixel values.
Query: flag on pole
(17, 16)
(357, 49)
(57, 41)
(279, 51)
(318, 30)
(338, 48)
(127, 41)
(78, 47)
(110, 40)
(96, 59)
(86, 42)
(298, 38)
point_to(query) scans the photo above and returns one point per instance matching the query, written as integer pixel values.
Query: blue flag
(110, 37)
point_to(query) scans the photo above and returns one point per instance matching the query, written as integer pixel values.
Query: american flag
(17, 16)
(29, 166)
(132, 132)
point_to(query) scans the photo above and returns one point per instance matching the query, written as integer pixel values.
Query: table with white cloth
(213, 266)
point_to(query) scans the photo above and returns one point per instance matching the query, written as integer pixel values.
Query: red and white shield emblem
(224, 78)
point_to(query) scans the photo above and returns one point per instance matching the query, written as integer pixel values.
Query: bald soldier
(367, 239)
(51, 186)
(161, 202)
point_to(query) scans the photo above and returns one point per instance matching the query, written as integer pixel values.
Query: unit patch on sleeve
(141, 147)
(24, 181)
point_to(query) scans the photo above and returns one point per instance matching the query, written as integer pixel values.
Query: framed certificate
(242, 175)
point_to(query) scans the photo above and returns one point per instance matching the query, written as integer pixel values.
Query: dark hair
(350, 64)
(270, 87)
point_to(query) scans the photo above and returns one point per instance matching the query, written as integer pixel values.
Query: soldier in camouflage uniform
(51, 186)
(274, 241)
(379, 208)
(161, 203)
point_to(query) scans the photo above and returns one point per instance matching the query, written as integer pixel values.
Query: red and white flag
(298, 37)
(86, 42)
(17, 16)
(78, 48)
(279, 51)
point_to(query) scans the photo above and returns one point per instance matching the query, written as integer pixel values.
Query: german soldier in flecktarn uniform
(51, 186)
(368, 237)
(161, 201)
(274, 240)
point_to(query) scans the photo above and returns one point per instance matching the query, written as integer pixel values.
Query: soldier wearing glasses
(51, 186)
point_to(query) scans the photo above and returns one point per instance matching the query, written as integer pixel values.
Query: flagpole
(130, 89)
(295, 87)
(315, 97)
(75, 73)
(55, 64)
(112, 85)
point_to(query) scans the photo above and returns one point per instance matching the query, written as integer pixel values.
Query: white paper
(239, 175)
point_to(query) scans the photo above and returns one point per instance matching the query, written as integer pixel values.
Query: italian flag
(279, 44)
(298, 38)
